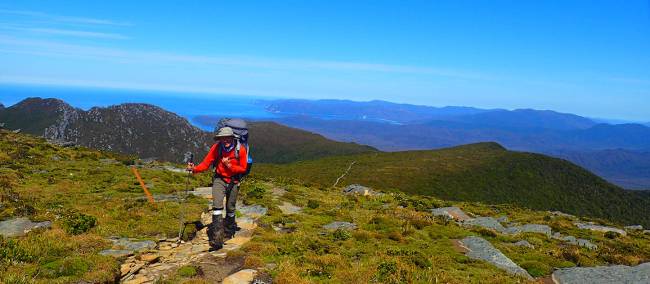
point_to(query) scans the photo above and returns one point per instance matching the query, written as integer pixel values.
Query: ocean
(187, 105)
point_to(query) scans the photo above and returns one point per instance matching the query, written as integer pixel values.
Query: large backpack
(240, 128)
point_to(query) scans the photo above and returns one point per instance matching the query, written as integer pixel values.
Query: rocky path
(169, 255)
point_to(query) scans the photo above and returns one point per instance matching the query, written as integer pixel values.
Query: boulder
(479, 248)
(451, 212)
(603, 274)
(358, 189)
(524, 243)
(599, 228)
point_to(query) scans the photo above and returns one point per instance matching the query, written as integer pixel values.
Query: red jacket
(236, 166)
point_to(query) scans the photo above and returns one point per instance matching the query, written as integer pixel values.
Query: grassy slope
(479, 172)
(275, 143)
(397, 240)
(46, 182)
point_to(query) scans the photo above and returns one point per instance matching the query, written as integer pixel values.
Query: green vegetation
(89, 196)
(397, 242)
(483, 172)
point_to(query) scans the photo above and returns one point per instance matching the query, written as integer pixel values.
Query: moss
(187, 271)
(536, 268)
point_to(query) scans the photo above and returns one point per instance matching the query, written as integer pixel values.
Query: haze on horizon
(585, 57)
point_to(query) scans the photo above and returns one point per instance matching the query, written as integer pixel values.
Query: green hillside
(483, 172)
(91, 196)
(275, 143)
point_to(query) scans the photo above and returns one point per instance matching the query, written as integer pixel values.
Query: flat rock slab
(603, 274)
(340, 225)
(132, 244)
(599, 228)
(486, 222)
(241, 277)
(451, 212)
(253, 211)
(479, 248)
(20, 226)
(530, 228)
(288, 208)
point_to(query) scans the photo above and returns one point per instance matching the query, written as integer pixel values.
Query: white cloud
(73, 33)
(64, 19)
(54, 48)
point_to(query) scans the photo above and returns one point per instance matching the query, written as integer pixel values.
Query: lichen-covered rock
(451, 212)
(639, 274)
(21, 226)
(479, 248)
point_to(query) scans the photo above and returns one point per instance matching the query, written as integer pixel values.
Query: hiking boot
(230, 227)
(215, 233)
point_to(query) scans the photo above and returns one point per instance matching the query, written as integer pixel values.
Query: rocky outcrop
(454, 213)
(599, 228)
(140, 129)
(639, 274)
(479, 248)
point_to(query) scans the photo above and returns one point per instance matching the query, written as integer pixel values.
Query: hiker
(229, 168)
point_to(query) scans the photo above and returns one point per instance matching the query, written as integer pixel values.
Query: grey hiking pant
(221, 189)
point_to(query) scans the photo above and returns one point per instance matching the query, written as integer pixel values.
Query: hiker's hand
(226, 162)
(190, 167)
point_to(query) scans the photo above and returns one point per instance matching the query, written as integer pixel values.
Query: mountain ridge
(150, 131)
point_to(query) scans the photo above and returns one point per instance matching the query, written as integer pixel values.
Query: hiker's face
(226, 141)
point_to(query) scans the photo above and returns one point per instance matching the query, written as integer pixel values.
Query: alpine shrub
(78, 223)
(341, 235)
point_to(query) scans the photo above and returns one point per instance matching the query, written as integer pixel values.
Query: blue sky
(586, 57)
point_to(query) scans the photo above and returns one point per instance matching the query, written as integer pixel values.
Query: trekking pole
(187, 189)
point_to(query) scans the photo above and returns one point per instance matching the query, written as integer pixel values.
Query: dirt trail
(164, 261)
